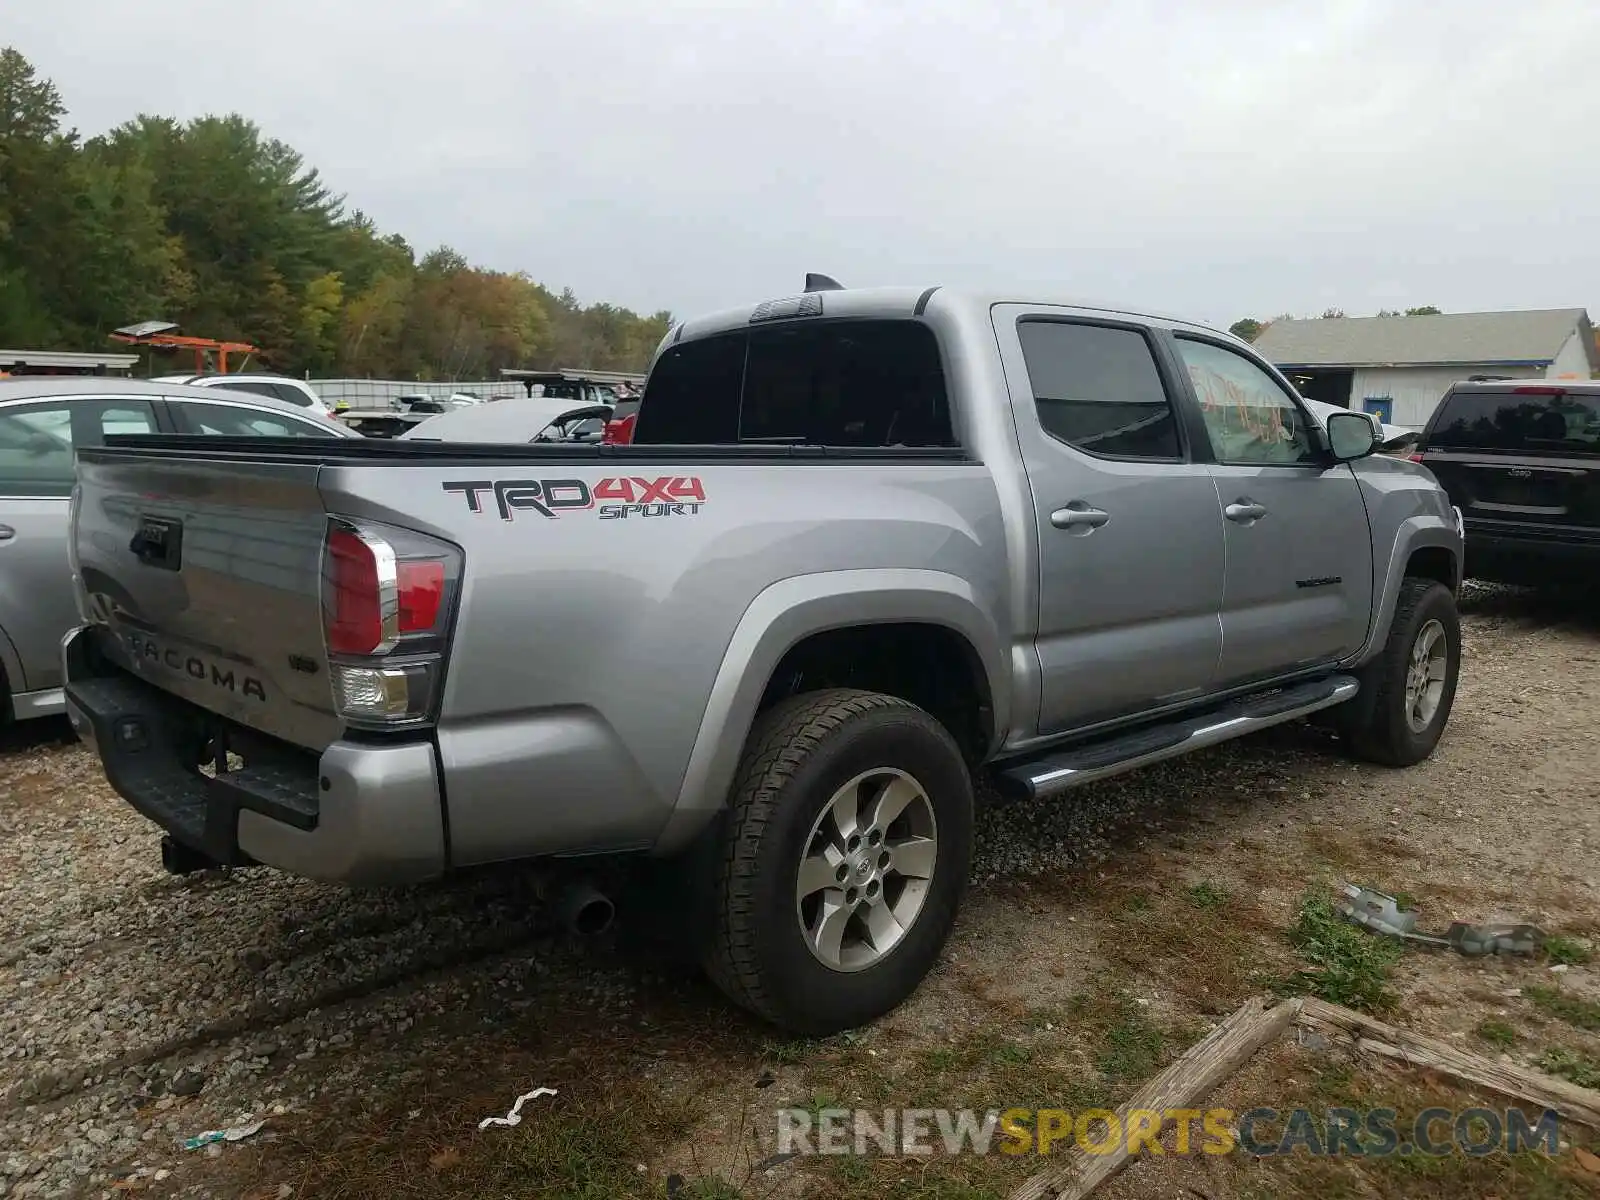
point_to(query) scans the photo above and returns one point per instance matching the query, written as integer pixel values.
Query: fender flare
(778, 619)
(1420, 532)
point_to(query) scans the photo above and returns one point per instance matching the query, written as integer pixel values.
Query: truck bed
(587, 635)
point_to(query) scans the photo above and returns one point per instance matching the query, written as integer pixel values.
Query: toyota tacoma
(867, 551)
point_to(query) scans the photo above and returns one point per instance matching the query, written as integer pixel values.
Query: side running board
(1090, 761)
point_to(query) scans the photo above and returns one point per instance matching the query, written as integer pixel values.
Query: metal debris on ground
(1382, 914)
(514, 1117)
(235, 1133)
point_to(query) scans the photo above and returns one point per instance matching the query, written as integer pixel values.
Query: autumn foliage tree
(231, 234)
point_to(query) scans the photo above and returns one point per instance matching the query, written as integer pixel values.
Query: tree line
(230, 233)
(1249, 328)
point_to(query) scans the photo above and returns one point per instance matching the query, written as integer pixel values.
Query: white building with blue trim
(1399, 367)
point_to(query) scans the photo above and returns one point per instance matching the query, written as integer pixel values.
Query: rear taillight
(1538, 390)
(620, 432)
(1415, 456)
(388, 597)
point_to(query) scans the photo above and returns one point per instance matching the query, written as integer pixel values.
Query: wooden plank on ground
(1571, 1101)
(1182, 1085)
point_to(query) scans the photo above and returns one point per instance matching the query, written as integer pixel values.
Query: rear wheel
(845, 857)
(1407, 691)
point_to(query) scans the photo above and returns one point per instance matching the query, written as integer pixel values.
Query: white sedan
(535, 419)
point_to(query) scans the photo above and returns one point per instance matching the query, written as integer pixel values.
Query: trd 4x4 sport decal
(631, 496)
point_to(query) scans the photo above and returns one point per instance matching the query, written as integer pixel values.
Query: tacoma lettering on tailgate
(195, 667)
(634, 496)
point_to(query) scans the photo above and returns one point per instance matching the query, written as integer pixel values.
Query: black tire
(798, 755)
(1374, 725)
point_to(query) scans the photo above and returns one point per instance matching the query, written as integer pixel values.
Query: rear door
(37, 442)
(1129, 535)
(1299, 549)
(1521, 459)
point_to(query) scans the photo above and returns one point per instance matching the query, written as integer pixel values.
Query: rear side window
(293, 395)
(255, 387)
(1097, 388)
(835, 383)
(1528, 421)
(37, 440)
(227, 420)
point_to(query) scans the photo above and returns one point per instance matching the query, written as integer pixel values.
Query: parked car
(865, 548)
(532, 420)
(274, 387)
(42, 421)
(1521, 460)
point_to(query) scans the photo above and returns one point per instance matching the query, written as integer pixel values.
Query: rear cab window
(838, 383)
(1531, 419)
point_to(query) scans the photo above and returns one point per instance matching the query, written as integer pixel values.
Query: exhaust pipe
(584, 909)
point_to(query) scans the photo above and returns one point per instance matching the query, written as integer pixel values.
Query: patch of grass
(1497, 1033)
(792, 1053)
(1133, 1047)
(1206, 895)
(820, 1100)
(1571, 1066)
(1183, 937)
(1570, 951)
(1010, 1054)
(1347, 965)
(940, 1059)
(848, 1177)
(709, 1189)
(1526, 1175)
(576, 1147)
(1040, 1020)
(1574, 1010)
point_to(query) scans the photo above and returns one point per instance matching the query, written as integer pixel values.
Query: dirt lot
(372, 1031)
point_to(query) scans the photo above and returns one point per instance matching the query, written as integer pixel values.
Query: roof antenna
(822, 283)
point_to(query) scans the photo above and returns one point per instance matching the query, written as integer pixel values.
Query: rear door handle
(7, 533)
(1078, 515)
(1244, 510)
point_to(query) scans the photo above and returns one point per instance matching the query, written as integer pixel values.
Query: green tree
(1427, 310)
(1247, 328)
(230, 233)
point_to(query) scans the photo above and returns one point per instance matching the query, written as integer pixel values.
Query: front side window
(37, 441)
(1096, 387)
(848, 383)
(1249, 418)
(226, 420)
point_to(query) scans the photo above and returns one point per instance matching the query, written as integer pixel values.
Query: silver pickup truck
(867, 549)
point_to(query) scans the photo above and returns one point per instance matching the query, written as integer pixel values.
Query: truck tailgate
(207, 573)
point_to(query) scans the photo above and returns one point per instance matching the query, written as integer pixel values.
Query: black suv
(1521, 460)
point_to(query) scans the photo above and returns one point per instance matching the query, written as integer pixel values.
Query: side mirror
(1351, 435)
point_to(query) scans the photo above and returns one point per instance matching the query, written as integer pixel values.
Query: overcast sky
(1213, 158)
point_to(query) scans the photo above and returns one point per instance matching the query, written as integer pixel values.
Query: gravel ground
(137, 1008)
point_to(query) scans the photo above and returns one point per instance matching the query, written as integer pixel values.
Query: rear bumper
(357, 813)
(1513, 553)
